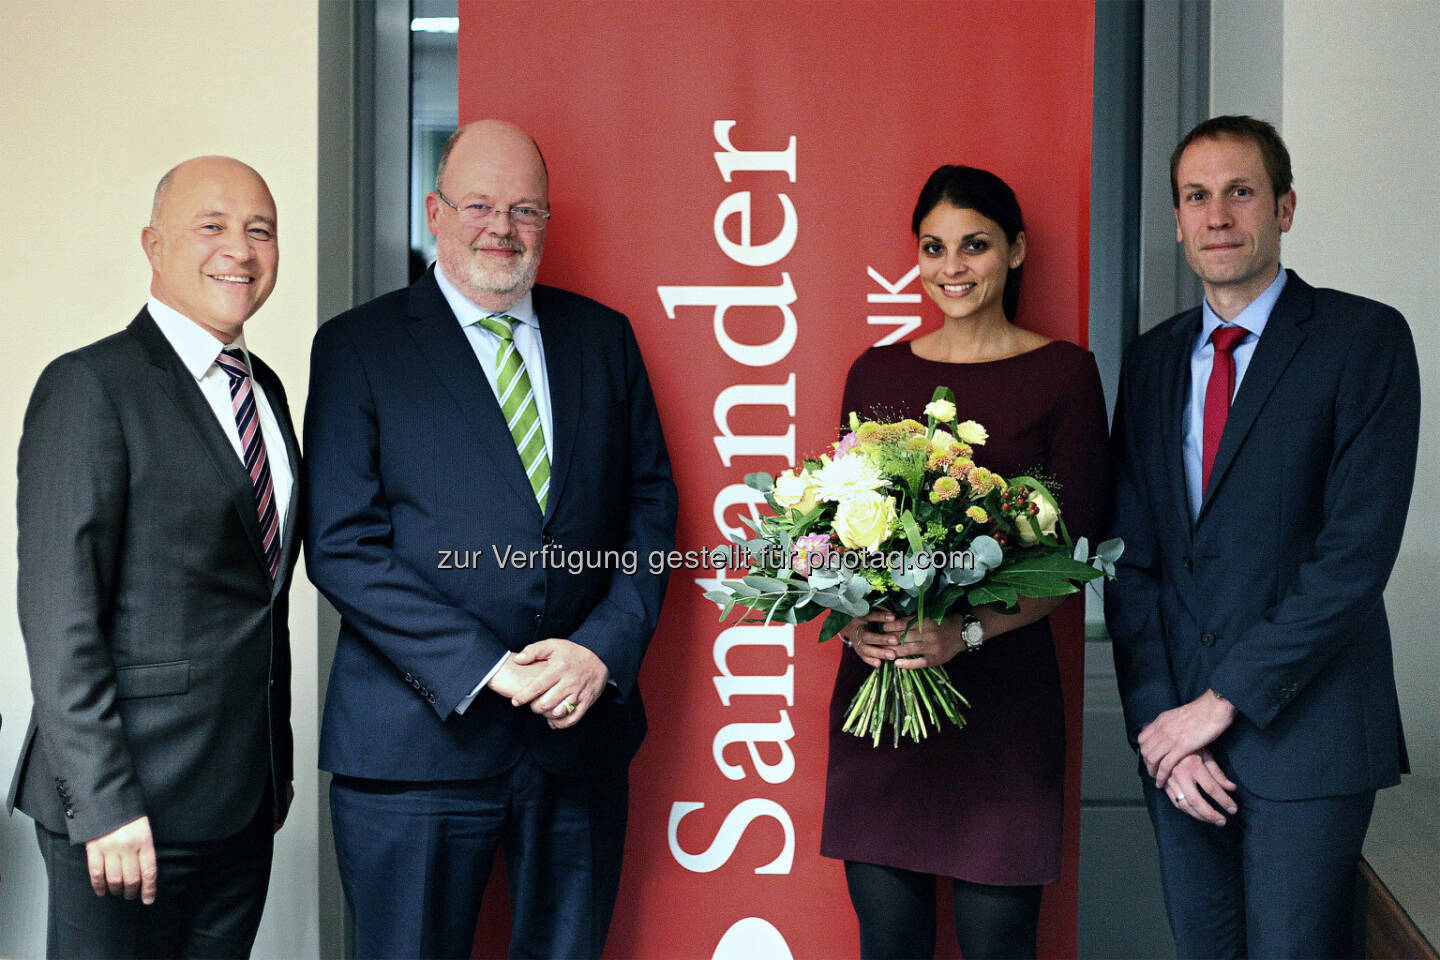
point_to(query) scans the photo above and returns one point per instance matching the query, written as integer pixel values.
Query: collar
(196, 346)
(1253, 318)
(468, 312)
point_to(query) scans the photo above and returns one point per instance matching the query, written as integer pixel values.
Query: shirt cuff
(465, 704)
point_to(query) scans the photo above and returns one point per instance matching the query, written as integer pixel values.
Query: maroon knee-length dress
(984, 803)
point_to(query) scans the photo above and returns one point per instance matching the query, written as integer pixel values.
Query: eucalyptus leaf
(760, 481)
(767, 584)
(987, 553)
(1110, 550)
(963, 576)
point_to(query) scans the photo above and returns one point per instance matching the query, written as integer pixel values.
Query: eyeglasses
(476, 214)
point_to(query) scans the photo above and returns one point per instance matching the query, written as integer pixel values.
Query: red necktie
(1218, 392)
(242, 398)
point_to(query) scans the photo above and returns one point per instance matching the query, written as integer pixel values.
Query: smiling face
(1229, 220)
(494, 264)
(965, 260)
(212, 244)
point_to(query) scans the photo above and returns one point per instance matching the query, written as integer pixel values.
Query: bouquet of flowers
(899, 516)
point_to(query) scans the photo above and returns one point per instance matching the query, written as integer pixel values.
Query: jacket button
(1189, 565)
(1207, 639)
(537, 619)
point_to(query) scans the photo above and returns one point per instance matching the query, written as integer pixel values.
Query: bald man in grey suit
(157, 477)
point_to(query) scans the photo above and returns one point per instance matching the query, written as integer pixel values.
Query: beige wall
(1350, 84)
(99, 98)
(1362, 118)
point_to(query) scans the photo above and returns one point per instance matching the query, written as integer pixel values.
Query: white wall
(1362, 118)
(100, 98)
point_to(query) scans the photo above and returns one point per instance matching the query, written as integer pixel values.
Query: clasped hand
(1173, 746)
(880, 635)
(550, 675)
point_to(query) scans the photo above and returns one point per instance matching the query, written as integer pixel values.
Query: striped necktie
(252, 442)
(517, 403)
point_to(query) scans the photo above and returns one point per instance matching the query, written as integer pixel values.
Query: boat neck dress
(983, 803)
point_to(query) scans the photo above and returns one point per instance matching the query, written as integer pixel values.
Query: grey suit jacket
(157, 642)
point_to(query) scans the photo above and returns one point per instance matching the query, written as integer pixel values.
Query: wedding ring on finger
(1179, 798)
(569, 706)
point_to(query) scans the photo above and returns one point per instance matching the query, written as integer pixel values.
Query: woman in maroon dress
(981, 805)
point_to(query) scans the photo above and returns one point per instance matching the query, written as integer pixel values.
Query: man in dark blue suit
(1265, 447)
(490, 484)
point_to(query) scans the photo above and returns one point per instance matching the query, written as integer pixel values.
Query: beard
(498, 284)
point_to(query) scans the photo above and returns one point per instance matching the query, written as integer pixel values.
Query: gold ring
(569, 707)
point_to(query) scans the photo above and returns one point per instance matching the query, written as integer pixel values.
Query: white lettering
(759, 255)
(730, 159)
(751, 938)
(755, 445)
(778, 733)
(719, 851)
(903, 324)
(728, 685)
(723, 298)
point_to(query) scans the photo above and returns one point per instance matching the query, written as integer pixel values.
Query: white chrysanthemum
(839, 480)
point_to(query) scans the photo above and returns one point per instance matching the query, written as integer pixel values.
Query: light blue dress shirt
(1202, 355)
(486, 345)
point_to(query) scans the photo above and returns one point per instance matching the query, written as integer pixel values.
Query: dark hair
(1272, 149)
(970, 188)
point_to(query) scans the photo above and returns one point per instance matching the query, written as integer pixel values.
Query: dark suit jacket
(415, 484)
(158, 645)
(1272, 596)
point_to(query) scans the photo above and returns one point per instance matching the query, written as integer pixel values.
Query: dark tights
(897, 915)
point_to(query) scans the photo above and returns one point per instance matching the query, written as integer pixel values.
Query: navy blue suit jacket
(1273, 594)
(415, 485)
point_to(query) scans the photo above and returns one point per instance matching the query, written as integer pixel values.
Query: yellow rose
(864, 520)
(1044, 516)
(795, 491)
(971, 432)
(942, 410)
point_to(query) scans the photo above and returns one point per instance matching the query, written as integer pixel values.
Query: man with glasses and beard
(493, 706)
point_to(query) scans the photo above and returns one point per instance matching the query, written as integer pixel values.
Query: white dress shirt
(198, 350)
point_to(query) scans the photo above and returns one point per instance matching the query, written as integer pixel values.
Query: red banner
(738, 178)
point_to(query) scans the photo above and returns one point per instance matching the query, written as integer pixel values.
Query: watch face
(973, 633)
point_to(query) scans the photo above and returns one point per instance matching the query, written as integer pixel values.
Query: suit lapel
(437, 334)
(560, 334)
(1282, 337)
(184, 392)
(275, 394)
(1174, 392)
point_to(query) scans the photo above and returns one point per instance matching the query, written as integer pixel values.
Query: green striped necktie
(517, 403)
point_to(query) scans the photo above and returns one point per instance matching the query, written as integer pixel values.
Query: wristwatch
(973, 633)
